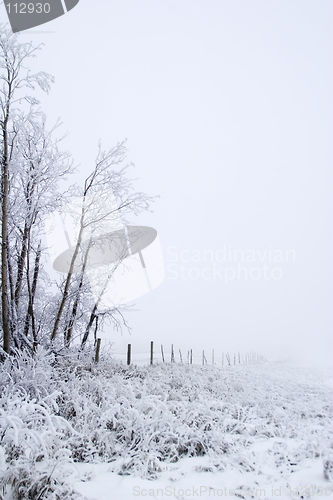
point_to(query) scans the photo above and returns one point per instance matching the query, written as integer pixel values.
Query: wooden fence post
(151, 352)
(172, 354)
(98, 346)
(228, 358)
(129, 354)
(180, 355)
(162, 353)
(191, 358)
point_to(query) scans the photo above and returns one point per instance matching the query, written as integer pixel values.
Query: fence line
(152, 356)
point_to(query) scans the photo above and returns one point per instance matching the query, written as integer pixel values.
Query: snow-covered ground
(168, 430)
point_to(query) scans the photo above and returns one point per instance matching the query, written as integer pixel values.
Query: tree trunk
(20, 265)
(89, 325)
(68, 280)
(69, 330)
(98, 347)
(4, 230)
(32, 315)
(32, 292)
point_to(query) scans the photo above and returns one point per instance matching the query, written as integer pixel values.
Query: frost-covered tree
(34, 192)
(15, 83)
(32, 165)
(107, 180)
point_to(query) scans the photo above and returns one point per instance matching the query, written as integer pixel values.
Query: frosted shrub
(33, 437)
(328, 465)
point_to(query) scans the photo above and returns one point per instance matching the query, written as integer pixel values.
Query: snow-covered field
(71, 428)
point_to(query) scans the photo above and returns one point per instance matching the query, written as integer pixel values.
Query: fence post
(191, 357)
(162, 353)
(151, 352)
(180, 355)
(172, 354)
(203, 357)
(129, 354)
(98, 346)
(234, 359)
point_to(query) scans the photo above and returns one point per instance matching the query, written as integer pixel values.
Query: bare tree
(108, 176)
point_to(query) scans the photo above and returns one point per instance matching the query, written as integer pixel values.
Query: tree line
(35, 309)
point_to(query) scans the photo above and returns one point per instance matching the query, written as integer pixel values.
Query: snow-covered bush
(328, 465)
(33, 437)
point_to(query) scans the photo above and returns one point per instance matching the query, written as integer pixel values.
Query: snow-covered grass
(61, 420)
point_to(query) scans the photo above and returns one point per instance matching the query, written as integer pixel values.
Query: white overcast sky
(227, 109)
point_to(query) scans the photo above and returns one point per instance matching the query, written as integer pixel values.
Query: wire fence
(173, 355)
